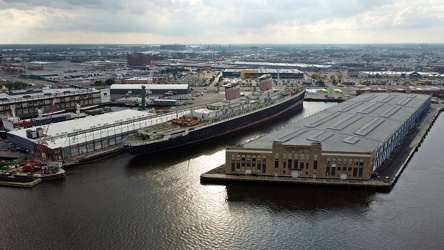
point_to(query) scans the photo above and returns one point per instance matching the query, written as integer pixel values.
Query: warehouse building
(348, 141)
(27, 104)
(119, 90)
(139, 59)
(255, 73)
(83, 136)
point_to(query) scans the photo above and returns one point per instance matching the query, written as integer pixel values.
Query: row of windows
(37, 103)
(23, 109)
(341, 164)
(255, 161)
(92, 146)
(338, 162)
(296, 160)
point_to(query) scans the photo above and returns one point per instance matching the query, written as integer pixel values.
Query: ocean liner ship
(236, 112)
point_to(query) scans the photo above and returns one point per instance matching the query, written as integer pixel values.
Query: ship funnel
(232, 91)
(265, 82)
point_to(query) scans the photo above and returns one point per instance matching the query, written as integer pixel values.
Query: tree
(98, 83)
(340, 76)
(321, 83)
(14, 85)
(316, 76)
(110, 81)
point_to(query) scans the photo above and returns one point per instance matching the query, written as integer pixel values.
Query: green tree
(340, 75)
(321, 83)
(316, 76)
(110, 81)
(98, 83)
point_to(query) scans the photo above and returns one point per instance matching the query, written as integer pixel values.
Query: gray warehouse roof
(360, 124)
(149, 86)
(58, 132)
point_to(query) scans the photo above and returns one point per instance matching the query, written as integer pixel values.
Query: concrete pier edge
(20, 184)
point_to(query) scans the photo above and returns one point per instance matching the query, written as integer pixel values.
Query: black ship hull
(223, 127)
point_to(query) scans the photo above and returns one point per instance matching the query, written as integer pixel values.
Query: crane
(45, 126)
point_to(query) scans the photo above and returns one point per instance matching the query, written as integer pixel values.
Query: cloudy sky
(221, 21)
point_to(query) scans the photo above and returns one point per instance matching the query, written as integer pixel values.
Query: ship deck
(164, 127)
(157, 131)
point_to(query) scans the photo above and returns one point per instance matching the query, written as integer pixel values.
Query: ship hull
(221, 128)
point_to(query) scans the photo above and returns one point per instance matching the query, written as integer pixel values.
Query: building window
(333, 171)
(233, 164)
(315, 162)
(307, 163)
(259, 165)
(327, 171)
(301, 166)
(264, 164)
(248, 161)
(243, 161)
(296, 163)
(276, 160)
(284, 162)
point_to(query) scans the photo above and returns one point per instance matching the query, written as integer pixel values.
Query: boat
(30, 171)
(236, 112)
(12, 122)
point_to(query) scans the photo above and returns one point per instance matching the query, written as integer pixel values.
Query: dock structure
(332, 167)
(21, 184)
(78, 139)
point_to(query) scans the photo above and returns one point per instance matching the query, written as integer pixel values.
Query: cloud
(261, 21)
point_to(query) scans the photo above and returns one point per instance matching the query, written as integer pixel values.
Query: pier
(387, 176)
(20, 184)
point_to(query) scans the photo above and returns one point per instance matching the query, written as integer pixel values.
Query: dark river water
(158, 202)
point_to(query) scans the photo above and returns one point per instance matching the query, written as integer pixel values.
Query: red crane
(45, 126)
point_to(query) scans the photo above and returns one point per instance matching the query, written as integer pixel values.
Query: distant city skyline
(221, 22)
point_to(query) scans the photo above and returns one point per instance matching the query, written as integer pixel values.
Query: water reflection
(305, 198)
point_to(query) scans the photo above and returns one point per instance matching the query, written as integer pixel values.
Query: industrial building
(27, 103)
(139, 59)
(423, 90)
(255, 73)
(348, 141)
(82, 137)
(119, 90)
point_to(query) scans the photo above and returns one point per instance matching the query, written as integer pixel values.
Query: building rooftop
(360, 124)
(149, 86)
(97, 126)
